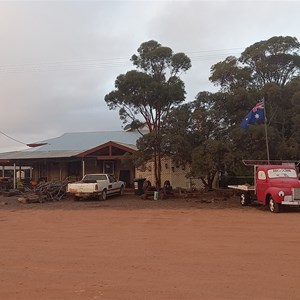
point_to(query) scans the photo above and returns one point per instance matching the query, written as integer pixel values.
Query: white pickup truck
(96, 186)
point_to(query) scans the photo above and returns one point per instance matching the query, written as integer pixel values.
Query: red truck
(274, 186)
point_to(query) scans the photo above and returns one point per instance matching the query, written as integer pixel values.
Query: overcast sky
(58, 60)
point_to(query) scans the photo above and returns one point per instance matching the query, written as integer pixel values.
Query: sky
(58, 59)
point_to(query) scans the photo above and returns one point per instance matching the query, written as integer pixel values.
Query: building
(172, 172)
(72, 155)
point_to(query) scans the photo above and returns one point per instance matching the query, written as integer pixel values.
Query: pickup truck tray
(242, 187)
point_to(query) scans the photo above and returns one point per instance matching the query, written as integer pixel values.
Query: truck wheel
(122, 190)
(244, 199)
(103, 195)
(274, 206)
(76, 198)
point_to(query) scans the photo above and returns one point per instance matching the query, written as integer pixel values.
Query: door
(125, 176)
(261, 185)
(109, 167)
(113, 185)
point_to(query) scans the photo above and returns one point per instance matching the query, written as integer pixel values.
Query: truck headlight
(281, 194)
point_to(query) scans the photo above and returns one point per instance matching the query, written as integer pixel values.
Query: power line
(80, 64)
(77, 64)
(12, 138)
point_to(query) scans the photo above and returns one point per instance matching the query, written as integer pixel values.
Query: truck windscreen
(282, 173)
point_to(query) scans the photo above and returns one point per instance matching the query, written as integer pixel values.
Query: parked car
(96, 186)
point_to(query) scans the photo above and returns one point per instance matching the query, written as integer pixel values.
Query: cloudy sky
(58, 60)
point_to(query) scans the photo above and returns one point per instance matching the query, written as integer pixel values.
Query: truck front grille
(296, 193)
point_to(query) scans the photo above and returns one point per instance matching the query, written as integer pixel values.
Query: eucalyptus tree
(275, 60)
(197, 135)
(265, 69)
(146, 96)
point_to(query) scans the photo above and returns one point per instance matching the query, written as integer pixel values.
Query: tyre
(244, 199)
(274, 206)
(103, 195)
(122, 190)
(76, 198)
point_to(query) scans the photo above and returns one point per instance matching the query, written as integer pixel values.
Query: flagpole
(266, 131)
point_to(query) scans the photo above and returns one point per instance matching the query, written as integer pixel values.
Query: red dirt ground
(126, 248)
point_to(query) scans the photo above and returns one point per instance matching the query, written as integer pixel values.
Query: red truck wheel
(244, 199)
(274, 206)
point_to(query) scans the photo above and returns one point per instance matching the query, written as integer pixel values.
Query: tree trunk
(204, 182)
(211, 178)
(157, 168)
(209, 181)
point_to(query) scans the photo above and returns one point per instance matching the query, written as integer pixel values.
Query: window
(261, 175)
(109, 167)
(112, 179)
(282, 173)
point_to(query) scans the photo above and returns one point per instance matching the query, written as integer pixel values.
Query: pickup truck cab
(96, 186)
(275, 185)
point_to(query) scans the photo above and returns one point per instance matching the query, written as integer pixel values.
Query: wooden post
(83, 168)
(15, 182)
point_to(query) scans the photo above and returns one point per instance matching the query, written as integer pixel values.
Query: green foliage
(178, 140)
(272, 61)
(150, 94)
(208, 159)
(197, 135)
(147, 95)
(206, 133)
(229, 74)
(268, 69)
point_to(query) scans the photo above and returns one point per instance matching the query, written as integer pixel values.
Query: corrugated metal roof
(37, 154)
(86, 140)
(72, 144)
(134, 147)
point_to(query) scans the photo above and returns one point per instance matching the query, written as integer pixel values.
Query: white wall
(175, 174)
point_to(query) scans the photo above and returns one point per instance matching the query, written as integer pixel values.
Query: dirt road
(144, 250)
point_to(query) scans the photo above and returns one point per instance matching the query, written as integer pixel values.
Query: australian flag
(256, 114)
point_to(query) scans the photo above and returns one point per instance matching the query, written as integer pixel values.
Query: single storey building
(72, 155)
